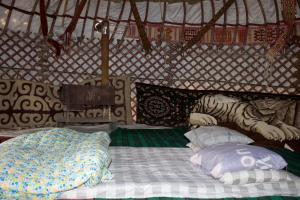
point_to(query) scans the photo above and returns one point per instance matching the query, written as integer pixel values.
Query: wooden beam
(140, 26)
(105, 53)
(206, 28)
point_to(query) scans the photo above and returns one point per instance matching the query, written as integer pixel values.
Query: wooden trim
(119, 19)
(84, 21)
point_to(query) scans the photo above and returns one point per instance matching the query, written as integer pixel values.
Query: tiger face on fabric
(211, 109)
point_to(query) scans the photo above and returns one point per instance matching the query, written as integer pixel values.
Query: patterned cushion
(254, 176)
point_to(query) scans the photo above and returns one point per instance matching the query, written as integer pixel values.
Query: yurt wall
(230, 57)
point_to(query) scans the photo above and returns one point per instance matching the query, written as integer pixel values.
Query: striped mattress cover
(166, 172)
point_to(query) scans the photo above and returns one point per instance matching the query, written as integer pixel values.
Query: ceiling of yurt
(23, 15)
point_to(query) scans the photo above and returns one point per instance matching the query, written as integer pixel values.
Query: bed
(155, 163)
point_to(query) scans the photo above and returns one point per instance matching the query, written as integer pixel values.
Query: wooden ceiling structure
(22, 15)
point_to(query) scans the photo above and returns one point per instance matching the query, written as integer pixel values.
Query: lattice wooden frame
(204, 67)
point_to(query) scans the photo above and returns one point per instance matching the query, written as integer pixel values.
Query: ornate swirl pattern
(27, 104)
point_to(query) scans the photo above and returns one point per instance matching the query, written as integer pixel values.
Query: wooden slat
(84, 21)
(264, 18)
(64, 12)
(201, 33)
(212, 32)
(126, 28)
(107, 9)
(247, 20)
(224, 35)
(9, 15)
(234, 40)
(119, 19)
(140, 26)
(47, 6)
(183, 21)
(31, 16)
(95, 17)
(146, 12)
(55, 16)
(162, 26)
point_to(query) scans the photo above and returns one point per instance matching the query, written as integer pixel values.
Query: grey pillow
(231, 157)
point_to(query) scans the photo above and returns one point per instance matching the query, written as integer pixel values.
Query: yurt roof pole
(140, 26)
(69, 30)
(206, 28)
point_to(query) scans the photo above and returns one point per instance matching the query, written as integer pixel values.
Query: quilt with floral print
(41, 165)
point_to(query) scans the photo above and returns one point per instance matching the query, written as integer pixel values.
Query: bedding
(138, 173)
(230, 157)
(211, 135)
(44, 164)
(135, 138)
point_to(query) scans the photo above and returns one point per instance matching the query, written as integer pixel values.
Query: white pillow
(255, 176)
(205, 136)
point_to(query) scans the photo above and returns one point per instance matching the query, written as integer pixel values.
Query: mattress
(166, 172)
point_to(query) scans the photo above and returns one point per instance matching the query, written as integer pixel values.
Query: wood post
(105, 52)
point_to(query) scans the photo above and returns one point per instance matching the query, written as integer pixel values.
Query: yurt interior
(150, 99)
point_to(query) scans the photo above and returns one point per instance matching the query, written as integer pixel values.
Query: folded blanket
(44, 164)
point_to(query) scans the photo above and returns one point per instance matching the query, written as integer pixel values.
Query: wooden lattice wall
(204, 67)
